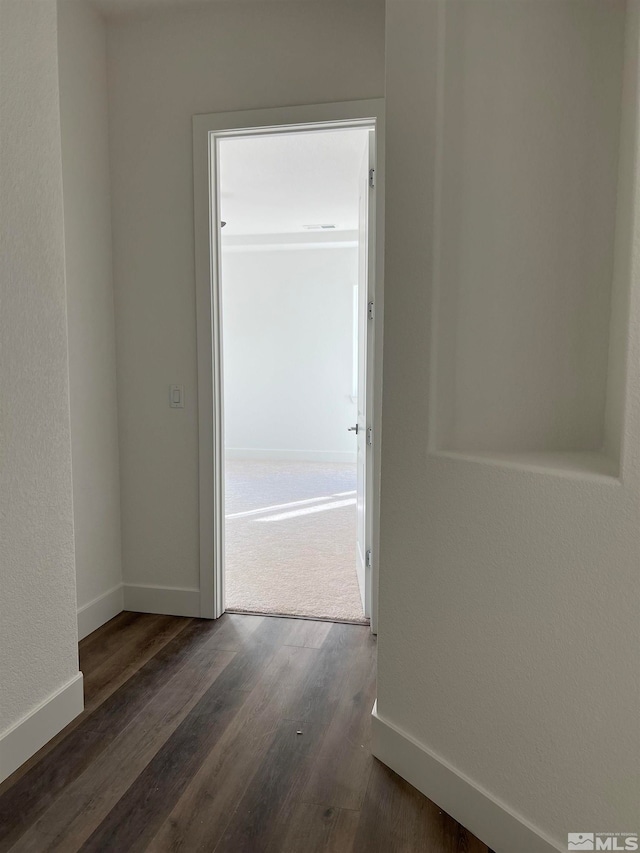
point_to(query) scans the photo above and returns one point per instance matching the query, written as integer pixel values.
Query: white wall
(508, 623)
(527, 218)
(163, 69)
(38, 634)
(92, 363)
(288, 353)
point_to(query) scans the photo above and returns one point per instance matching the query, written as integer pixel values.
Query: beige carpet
(290, 539)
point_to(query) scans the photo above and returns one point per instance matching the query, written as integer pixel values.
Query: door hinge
(368, 559)
(370, 310)
(370, 436)
(372, 178)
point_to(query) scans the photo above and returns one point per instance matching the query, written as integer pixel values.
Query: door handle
(353, 429)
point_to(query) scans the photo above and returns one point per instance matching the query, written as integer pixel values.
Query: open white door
(363, 429)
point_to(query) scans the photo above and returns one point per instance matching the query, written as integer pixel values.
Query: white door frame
(207, 129)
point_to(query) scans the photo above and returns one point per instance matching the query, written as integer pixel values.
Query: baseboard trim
(276, 454)
(98, 611)
(474, 808)
(29, 734)
(166, 600)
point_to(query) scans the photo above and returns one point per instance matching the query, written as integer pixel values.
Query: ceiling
(281, 183)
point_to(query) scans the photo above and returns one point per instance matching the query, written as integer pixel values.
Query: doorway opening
(291, 246)
(291, 277)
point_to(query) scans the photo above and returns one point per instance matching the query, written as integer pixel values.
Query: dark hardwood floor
(246, 734)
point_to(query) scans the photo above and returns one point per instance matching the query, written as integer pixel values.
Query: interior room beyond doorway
(290, 273)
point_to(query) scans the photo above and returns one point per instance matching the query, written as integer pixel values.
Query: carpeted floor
(290, 539)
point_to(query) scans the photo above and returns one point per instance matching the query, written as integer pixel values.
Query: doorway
(288, 293)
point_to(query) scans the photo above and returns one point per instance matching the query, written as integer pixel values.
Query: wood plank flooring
(249, 734)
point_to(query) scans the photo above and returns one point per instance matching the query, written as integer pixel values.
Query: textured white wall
(92, 362)
(38, 634)
(162, 70)
(508, 598)
(288, 351)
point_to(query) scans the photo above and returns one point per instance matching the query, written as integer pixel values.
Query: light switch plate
(176, 396)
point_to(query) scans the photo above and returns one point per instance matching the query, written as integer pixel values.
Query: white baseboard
(168, 601)
(474, 808)
(29, 734)
(98, 611)
(266, 454)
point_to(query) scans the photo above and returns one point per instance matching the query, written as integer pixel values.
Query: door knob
(353, 429)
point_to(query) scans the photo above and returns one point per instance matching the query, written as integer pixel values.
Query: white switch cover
(176, 396)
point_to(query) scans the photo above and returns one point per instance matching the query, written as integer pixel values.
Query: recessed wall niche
(531, 277)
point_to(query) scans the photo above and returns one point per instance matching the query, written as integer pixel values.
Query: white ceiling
(278, 184)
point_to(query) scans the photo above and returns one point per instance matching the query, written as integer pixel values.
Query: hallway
(245, 734)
